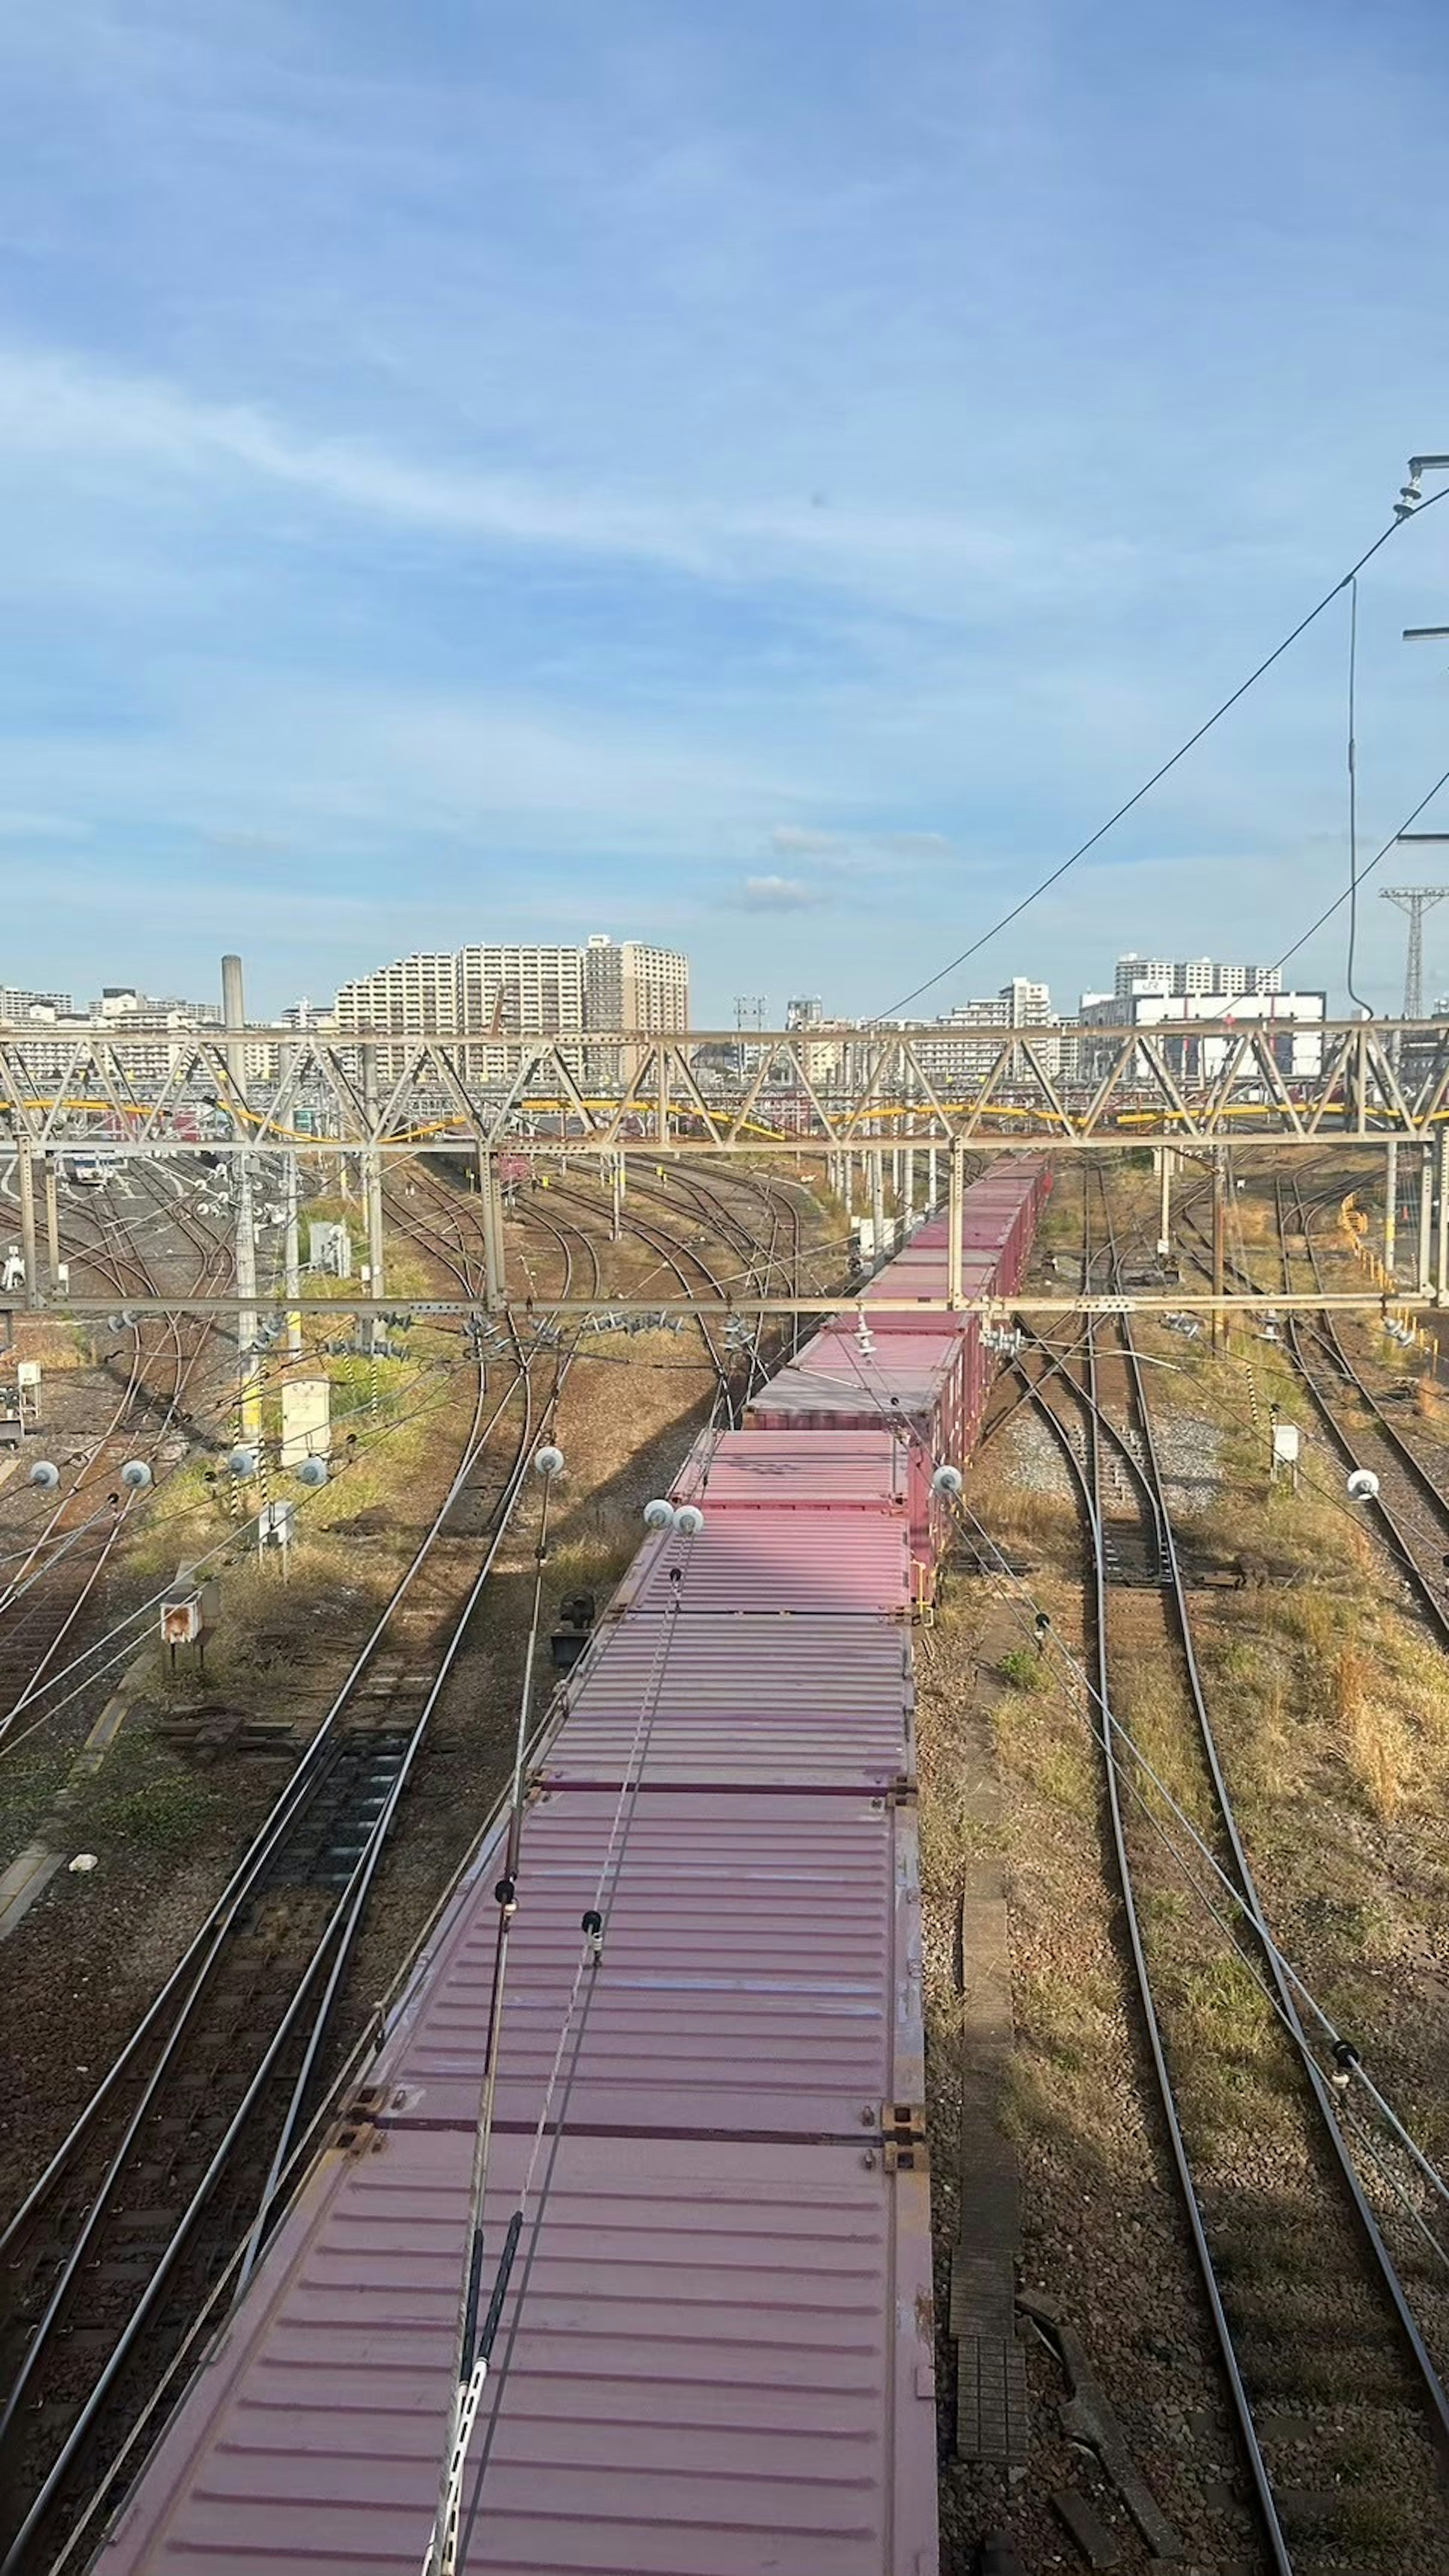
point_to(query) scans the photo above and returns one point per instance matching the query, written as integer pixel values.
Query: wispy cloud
(777, 894)
(54, 405)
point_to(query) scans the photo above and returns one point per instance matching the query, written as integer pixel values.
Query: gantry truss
(1202, 1084)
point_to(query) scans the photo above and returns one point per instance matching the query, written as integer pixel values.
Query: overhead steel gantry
(1196, 1083)
(853, 1096)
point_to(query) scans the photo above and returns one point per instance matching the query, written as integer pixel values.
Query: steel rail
(1087, 1479)
(1320, 1325)
(335, 1943)
(1389, 2281)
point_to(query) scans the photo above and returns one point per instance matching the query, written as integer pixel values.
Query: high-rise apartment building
(953, 1057)
(1177, 976)
(17, 1006)
(497, 990)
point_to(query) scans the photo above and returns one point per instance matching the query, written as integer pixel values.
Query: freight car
(714, 2347)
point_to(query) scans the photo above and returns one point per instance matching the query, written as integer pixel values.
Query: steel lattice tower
(1415, 901)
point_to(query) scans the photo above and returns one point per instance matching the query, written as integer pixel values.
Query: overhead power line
(1045, 884)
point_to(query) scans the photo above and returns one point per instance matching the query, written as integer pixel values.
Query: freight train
(712, 2347)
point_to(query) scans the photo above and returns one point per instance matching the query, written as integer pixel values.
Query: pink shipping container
(760, 1972)
(715, 2353)
(699, 2381)
(835, 1559)
(756, 1468)
(753, 1702)
(922, 1379)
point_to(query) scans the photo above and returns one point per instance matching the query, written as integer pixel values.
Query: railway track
(182, 2151)
(57, 1566)
(181, 2156)
(1410, 1509)
(1333, 2389)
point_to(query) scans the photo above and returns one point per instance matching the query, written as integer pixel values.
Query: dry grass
(1022, 1518)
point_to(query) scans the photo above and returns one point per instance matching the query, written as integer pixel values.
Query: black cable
(1376, 861)
(1353, 801)
(1158, 775)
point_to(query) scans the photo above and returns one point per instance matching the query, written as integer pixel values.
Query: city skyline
(372, 545)
(599, 983)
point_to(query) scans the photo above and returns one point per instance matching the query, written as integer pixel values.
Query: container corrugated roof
(762, 1701)
(760, 1971)
(832, 1559)
(764, 1468)
(700, 2379)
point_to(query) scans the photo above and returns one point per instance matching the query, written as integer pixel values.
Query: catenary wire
(1045, 883)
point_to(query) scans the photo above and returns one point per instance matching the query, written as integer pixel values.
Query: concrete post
(1164, 1200)
(877, 1200)
(617, 1225)
(1426, 1216)
(372, 1190)
(248, 1355)
(956, 1218)
(234, 1020)
(292, 1258)
(1441, 1257)
(495, 1282)
(1391, 1207)
(849, 1187)
(908, 1205)
(1219, 1334)
(25, 1170)
(52, 1223)
(931, 1176)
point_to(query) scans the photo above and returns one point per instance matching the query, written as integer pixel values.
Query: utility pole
(25, 1170)
(1415, 901)
(495, 1281)
(1441, 1249)
(292, 1259)
(234, 1019)
(372, 1188)
(1218, 1335)
(52, 1224)
(955, 1220)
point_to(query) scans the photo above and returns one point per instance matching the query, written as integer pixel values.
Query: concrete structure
(1298, 1052)
(414, 997)
(1182, 975)
(496, 989)
(955, 1058)
(17, 1004)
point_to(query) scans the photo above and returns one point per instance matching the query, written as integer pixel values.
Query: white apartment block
(1183, 975)
(498, 989)
(631, 985)
(953, 1057)
(1296, 1020)
(17, 1006)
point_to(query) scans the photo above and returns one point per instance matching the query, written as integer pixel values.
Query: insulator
(1363, 1485)
(45, 1475)
(548, 1463)
(946, 1480)
(659, 1514)
(243, 1462)
(689, 1520)
(313, 1471)
(136, 1474)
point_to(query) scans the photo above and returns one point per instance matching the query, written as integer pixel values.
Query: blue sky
(769, 478)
